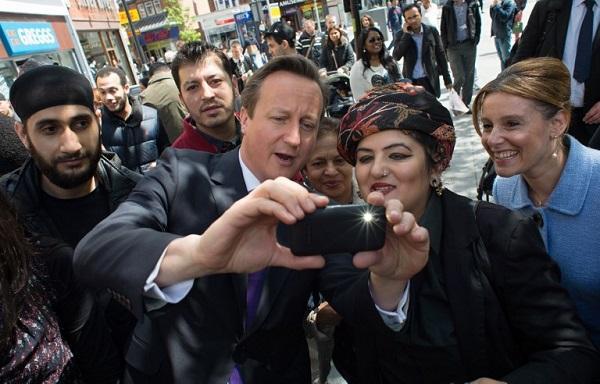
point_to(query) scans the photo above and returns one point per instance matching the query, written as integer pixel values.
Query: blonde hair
(544, 80)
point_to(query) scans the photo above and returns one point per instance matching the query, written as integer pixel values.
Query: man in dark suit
(555, 29)
(194, 247)
(423, 52)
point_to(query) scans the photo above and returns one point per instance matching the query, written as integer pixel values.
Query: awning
(152, 22)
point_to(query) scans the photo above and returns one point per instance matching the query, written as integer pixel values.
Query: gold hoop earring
(437, 185)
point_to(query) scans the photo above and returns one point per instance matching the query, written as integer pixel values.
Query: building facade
(30, 28)
(102, 40)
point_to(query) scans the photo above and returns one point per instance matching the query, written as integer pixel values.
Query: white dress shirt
(578, 10)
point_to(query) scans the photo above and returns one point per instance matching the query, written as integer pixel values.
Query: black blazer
(545, 35)
(513, 321)
(198, 339)
(433, 56)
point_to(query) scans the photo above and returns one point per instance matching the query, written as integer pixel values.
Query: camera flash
(367, 217)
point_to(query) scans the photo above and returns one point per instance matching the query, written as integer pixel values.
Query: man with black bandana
(65, 188)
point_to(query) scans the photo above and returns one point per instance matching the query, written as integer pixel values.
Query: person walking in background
(394, 20)
(460, 31)
(337, 54)
(502, 13)
(309, 43)
(556, 29)
(131, 130)
(422, 49)
(163, 95)
(430, 13)
(374, 66)
(281, 39)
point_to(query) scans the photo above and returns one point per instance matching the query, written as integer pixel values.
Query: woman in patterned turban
(482, 303)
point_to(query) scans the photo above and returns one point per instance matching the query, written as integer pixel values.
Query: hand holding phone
(336, 229)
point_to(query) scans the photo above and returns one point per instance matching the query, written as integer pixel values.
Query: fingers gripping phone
(336, 229)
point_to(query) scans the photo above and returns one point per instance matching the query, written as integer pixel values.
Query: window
(149, 8)
(157, 6)
(141, 10)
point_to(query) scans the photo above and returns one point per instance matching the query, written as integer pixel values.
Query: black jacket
(448, 23)
(80, 314)
(433, 56)
(512, 319)
(198, 339)
(139, 140)
(333, 58)
(545, 35)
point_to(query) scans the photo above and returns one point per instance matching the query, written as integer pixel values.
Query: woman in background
(375, 67)
(336, 54)
(522, 117)
(326, 171)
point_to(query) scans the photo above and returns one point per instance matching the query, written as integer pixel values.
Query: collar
(571, 190)
(219, 144)
(250, 179)
(160, 77)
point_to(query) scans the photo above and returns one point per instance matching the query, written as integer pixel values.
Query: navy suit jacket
(198, 339)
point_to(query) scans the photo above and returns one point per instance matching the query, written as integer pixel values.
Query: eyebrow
(59, 121)
(394, 145)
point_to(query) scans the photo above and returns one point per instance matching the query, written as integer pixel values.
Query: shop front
(25, 36)
(219, 27)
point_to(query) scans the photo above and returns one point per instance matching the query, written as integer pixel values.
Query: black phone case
(336, 229)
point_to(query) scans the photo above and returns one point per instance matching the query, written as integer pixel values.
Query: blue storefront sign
(28, 37)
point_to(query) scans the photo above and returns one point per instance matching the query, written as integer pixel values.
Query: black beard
(68, 180)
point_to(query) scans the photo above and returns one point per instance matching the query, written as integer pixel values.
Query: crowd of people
(140, 234)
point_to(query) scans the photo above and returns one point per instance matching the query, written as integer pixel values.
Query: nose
(292, 135)
(330, 169)
(69, 142)
(378, 170)
(207, 91)
(491, 138)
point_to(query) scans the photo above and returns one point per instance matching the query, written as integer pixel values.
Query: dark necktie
(583, 62)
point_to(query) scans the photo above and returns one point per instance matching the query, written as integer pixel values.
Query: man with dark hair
(281, 39)
(131, 130)
(423, 52)
(460, 30)
(65, 188)
(163, 95)
(235, 302)
(203, 74)
(394, 19)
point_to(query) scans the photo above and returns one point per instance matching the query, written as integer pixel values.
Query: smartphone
(336, 229)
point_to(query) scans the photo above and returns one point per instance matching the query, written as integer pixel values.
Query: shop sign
(274, 12)
(161, 34)
(133, 13)
(21, 38)
(286, 3)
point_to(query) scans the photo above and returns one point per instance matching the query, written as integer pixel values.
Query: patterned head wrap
(400, 106)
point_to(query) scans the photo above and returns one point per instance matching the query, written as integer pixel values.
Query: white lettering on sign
(36, 36)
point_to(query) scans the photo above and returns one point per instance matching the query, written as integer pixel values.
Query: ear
(285, 44)
(22, 133)
(243, 116)
(559, 124)
(126, 89)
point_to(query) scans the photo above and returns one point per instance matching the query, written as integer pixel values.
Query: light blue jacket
(570, 226)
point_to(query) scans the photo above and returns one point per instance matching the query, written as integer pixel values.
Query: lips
(285, 159)
(384, 188)
(505, 155)
(209, 108)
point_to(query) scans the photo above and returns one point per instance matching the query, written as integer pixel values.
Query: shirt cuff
(172, 294)
(395, 320)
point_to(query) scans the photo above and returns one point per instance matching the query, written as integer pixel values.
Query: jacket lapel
(229, 187)
(275, 279)
(562, 24)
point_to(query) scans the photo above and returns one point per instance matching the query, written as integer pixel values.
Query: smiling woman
(474, 313)
(522, 117)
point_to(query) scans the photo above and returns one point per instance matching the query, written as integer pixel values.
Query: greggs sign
(22, 38)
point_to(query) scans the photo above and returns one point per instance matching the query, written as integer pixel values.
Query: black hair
(195, 52)
(107, 71)
(386, 60)
(158, 67)
(409, 7)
